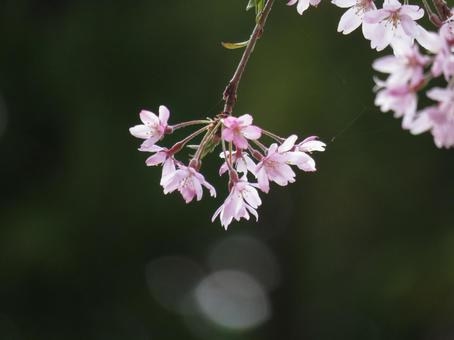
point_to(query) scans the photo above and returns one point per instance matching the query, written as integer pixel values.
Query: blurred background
(90, 248)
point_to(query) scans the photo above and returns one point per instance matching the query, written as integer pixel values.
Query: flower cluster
(250, 164)
(419, 56)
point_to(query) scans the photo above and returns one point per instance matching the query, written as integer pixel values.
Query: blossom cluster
(419, 57)
(251, 165)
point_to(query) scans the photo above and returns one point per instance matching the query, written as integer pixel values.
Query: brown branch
(230, 92)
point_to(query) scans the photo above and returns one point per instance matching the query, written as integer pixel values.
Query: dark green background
(365, 245)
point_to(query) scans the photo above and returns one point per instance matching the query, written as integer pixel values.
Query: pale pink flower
(394, 21)
(161, 156)
(238, 130)
(439, 119)
(400, 98)
(153, 127)
(303, 4)
(241, 162)
(275, 165)
(407, 64)
(242, 200)
(188, 182)
(354, 16)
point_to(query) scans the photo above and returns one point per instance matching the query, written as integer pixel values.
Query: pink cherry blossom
(238, 130)
(394, 21)
(406, 65)
(274, 166)
(400, 98)
(188, 182)
(242, 200)
(303, 4)
(153, 127)
(439, 119)
(241, 161)
(354, 16)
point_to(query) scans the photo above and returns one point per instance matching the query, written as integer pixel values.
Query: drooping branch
(230, 92)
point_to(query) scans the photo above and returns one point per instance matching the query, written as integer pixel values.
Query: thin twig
(178, 146)
(273, 136)
(230, 92)
(189, 123)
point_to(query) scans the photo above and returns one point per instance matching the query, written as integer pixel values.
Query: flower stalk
(230, 92)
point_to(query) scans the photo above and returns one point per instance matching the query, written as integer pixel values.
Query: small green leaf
(250, 4)
(210, 147)
(234, 46)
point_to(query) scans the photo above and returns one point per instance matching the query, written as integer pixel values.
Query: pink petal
(168, 169)
(422, 123)
(438, 94)
(164, 114)
(349, 21)
(240, 142)
(387, 64)
(198, 189)
(252, 132)
(210, 188)
(288, 144)
(344, 3)
(413, 11)
(262, 180)
(140, 131)
(149, 118)
(313, 145)
(429, 40)
(245, 120)
(156, 159)
(227, 134)
(230, 122)
(252, 197)
(302, 6)
(408, 25)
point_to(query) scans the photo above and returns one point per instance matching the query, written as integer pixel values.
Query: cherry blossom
(354, 16)
(439, 119)
(274, 166)
(400, 98)
(153, 127)
(188, 182)
(407, 64)
(303, 4)
(242, 200)
(393, 21)
(238, 130)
